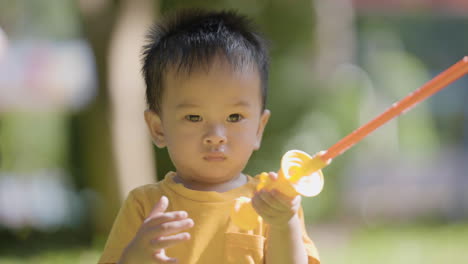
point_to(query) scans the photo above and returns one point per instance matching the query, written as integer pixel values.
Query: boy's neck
(216, 187)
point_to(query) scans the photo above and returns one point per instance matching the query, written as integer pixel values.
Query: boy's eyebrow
(186, 105)
(242, 103)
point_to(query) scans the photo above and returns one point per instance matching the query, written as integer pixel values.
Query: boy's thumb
(158, 208)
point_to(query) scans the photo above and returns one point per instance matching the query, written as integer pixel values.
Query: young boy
(206, 84)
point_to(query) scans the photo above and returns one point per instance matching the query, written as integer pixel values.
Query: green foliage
(32, 141)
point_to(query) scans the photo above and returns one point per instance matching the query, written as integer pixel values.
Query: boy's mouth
(214, 156)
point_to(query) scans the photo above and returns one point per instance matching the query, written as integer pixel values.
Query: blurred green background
(73, 140)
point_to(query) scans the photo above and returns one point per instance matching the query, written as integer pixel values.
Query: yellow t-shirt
(214, 239)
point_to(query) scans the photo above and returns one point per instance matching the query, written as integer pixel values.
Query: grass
(64, 256)
(403, 245)
(62, 246)
(337, 245)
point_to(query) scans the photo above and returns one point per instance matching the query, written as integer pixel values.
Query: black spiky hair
(190, 39)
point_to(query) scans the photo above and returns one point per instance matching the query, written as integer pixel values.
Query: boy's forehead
(189, 70)
(187, 103)
(236, 87)
(218, 73)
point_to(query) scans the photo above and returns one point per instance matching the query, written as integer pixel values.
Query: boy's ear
(261, 127)
(153, 121)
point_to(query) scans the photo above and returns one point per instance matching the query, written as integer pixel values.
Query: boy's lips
(214, 156)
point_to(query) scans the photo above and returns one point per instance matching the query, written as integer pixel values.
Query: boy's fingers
(262, 207)
(172, 227)
(271, 201)
(165, 217)
(273, 175)
(162, 258)
(167, 241)
(159, 208)
(297, 200)
(296, 203)
(285, 200)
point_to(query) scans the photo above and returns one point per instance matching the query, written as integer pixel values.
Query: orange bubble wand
(439, 82)
(301, 174)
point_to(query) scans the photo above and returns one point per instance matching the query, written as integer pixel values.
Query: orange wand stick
(433, 86)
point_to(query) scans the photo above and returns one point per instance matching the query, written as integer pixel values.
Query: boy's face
(211, 122)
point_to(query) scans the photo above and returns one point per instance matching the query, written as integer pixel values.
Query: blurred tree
(100, 19)
(132, 147)
(93, 126)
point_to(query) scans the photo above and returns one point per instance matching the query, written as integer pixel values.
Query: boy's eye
(193, 118)
(234, 118)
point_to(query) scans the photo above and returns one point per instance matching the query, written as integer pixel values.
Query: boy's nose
(215, 136)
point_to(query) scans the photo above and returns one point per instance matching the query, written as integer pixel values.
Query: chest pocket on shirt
(243, 248)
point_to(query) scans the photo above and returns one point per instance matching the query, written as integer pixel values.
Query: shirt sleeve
(125, 226)
(312, 252)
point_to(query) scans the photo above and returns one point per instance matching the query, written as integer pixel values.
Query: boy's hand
(274, 207)
(159, 231)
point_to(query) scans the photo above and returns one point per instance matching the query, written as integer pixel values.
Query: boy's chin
(213, 177)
